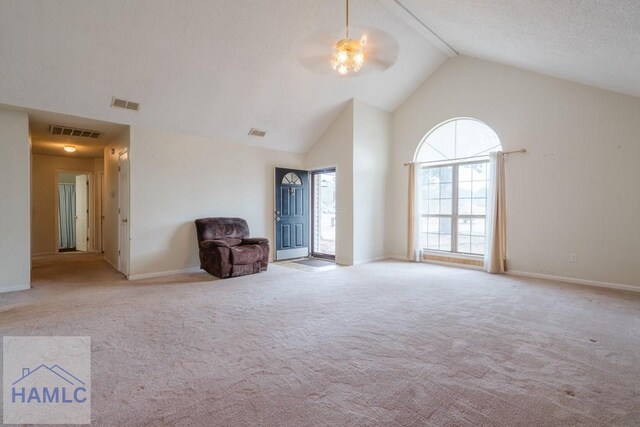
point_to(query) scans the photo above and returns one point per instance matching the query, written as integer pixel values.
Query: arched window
(454, 179)
(455, 139)
(291, 178)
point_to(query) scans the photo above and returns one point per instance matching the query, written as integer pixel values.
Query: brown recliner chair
(226, 250)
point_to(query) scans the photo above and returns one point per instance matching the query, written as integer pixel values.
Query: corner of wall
(110, 236)
(15, 227)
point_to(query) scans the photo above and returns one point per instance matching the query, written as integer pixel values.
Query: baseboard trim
(15, 288)
(576, 281)
(563, 279)
(164, 273)
(44, 254)
(364, 261)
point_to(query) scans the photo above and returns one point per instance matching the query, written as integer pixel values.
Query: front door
(291, 213)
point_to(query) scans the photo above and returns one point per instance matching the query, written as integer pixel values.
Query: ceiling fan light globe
(348, 56)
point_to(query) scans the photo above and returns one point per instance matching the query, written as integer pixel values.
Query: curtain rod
(522, 150)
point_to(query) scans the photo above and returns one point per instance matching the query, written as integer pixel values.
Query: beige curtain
(495, 258)
(413, 220)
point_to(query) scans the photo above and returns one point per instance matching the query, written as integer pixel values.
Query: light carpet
(385, 344)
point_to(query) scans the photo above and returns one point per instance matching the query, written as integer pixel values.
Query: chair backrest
(221, 228)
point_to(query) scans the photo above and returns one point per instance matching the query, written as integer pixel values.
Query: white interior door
(123, 213)
(82, 212)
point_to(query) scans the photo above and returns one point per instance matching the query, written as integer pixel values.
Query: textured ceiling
(596, 42)
(208, 67)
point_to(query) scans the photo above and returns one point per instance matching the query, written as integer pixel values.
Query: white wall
(575, 191)
(178, 178)
(357, 143)
(110, 195)
(371, 145)
(15, 151)
(44, 227)
(335, 148)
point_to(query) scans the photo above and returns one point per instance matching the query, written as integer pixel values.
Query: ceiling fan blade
(379, 43)
(316, 44)
(381, 51)
(317, 63)
(375, 65)
(374, 37)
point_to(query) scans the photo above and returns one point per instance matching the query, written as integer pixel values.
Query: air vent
(257, 132)
(123, 103)
(80, 133)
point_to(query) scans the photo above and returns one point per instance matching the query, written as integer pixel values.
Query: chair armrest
(207, 244)
(254, 241)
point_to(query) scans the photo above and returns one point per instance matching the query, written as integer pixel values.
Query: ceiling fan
(373, 51)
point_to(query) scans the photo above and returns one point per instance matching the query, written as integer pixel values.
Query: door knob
(125, 220)
(277, 218)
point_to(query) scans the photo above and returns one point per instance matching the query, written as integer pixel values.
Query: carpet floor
(385, 344)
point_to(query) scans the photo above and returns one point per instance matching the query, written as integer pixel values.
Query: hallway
(72, 269)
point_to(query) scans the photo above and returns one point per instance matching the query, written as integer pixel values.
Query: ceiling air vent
(123, 103)
(257, 132)
(80, 133)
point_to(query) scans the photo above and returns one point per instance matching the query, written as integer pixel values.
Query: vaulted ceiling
(595, 42)
(214, 68)
(220, 67)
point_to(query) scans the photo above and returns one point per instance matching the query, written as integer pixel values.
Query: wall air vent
(80, 133)
(123, 103)
(257, 132)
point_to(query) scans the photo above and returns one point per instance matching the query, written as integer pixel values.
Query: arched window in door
(453, 158)
(291, 179)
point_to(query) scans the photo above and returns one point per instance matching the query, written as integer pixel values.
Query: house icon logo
(46, 380)
(48, 384)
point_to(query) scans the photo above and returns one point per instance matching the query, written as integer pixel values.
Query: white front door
(82, 212)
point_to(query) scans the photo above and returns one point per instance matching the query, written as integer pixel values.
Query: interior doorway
(323, 213)
(73, 209)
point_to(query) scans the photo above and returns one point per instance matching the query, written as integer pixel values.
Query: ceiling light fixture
(348, 55)
(69, 148)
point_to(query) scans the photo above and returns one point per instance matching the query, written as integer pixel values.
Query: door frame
(274, 257)
(312, 178)
(90, 202)
(124, 214)
(100, 201)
